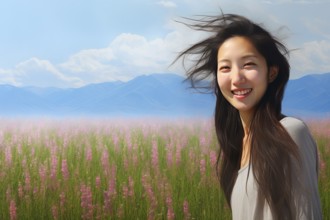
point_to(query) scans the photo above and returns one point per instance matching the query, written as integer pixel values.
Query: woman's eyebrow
(249, 56)
(243, 57)
(223, 60)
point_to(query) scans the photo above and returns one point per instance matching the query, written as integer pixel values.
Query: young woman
(268, 163)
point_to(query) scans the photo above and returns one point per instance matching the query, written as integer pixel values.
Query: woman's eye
(224, 68)
(249, 64)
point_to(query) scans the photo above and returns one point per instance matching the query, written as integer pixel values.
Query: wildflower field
(119, 169)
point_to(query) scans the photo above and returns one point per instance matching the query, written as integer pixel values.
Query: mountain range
(308, 96)
(150, 95)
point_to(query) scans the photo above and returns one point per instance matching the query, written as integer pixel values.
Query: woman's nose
(237, 76)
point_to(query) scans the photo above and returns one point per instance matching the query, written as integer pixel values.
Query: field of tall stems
(321, 132)
(119, 169)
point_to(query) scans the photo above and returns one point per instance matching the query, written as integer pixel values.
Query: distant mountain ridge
(149, 95)
(308, 96)
(156, 94)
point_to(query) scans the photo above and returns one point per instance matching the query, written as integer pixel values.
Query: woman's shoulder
(293, 123)
(295, 126)
(298, 131)
(301, 135)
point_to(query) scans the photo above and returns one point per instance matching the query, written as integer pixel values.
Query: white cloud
(7, 77)
(92, 60)
(167, 4)
(317, 26)
(313, 57)
(91, 66)
(126, 57)
(136, 50)
(36, 72)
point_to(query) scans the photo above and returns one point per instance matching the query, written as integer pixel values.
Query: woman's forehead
(237, 47)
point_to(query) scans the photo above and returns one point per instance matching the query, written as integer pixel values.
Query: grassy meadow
(119, 169)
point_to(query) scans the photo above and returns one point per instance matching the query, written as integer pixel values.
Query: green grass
(321, 132)
(131, 169)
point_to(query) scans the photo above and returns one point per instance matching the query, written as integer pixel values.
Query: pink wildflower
(98, 182)
(20, 190)
(35, 190)
(169, 157)
(8, 156)
(32, 152)
(86, 202)
(202, 165)
(203, 142)
(55, 212)
(8, 194)
(89, 154)
(186, 212)
(112, 182)
(27, 185)
(105, 161)
(112, 187)
(178, 155)
(109, 196)
(170, 211)
(24, 162)
(111, 192)
(154, 153)
(19, 148)
(322, 165)
(128, 141)
(65, 170)
(62, 200)
(135, 160)
(120, 211)
(42, 174)
(213, 158)
(131, 186)
(115, 140)
(125, 191)
(13, 210)
(107, 202)
(150, 195)
(53, 169)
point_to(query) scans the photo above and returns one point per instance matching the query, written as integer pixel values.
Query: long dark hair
(272, 148)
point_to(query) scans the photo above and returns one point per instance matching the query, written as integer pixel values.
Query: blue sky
(71, 43)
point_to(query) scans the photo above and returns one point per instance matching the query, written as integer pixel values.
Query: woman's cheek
(222, 83)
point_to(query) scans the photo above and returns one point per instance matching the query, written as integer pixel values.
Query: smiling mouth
(241, 92)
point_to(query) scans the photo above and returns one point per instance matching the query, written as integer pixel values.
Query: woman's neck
(246, 121)
(246, 144)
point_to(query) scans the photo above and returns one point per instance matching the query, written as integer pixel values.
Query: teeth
(242, 92)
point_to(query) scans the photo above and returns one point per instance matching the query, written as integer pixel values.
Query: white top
(245, 192)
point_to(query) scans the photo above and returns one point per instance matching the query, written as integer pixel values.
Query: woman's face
(242, 74)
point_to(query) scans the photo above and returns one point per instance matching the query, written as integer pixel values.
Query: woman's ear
(273, 71)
